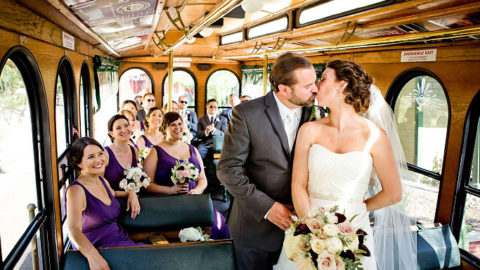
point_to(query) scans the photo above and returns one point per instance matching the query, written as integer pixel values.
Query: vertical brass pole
(265, 73)
(170, 80)
(31, 214)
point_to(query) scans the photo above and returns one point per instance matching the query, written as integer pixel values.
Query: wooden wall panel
(200, 76)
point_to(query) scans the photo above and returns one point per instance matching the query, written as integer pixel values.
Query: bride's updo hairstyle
(357, 92)
(284, 67)
(75, 154)
(167, 119)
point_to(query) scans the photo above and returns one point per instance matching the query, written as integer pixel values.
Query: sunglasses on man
(212, 106)
(150, 100)
(184, 101)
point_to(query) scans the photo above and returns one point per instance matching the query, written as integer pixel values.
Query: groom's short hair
(284, 67)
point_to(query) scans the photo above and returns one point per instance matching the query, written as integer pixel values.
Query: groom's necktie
(290, 129)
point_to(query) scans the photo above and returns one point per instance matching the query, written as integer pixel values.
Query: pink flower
(340, 265)
(345, 227)
(326, 261)
(315, 225)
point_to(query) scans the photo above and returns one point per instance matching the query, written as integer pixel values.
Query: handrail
(25, 240)
(382, 41)
(211, 17)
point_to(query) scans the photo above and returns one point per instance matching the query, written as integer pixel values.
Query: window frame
(463, 188)
(44, 222)
(391, 98)
(195, 81)
(239, 85)
(87, 97)
(70, 100)
(285, 15)
(120, 77)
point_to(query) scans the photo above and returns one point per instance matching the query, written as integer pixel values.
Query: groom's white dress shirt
(290, 119)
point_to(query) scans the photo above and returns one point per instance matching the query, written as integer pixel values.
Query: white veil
(395, 242)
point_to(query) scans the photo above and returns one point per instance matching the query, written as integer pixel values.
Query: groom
(256, 161)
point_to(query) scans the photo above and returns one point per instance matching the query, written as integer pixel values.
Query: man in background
(188, 116)
(233, 100)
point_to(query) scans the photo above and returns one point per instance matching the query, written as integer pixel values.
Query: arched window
(220, 85)
(184, 83)
(421, 110)
(65, 104)
(24, 153)
(85, 102)
(466, 219)
(134, 82)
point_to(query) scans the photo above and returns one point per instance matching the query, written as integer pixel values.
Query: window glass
(331, 8)
(17, 162)
(475, 172)
(270, 27)
(60, 118)
(421, 112)
(422, 192)
(470, 232)
(83, 125)
(108, 81)
(252, 83)
(25, 262)
(232, 38)
(183, 84)
(134, 82)
(220, 85)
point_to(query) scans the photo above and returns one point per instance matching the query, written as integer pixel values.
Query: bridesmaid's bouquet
(143, 154)
(184, 172)
(135, 179)
(325, 239)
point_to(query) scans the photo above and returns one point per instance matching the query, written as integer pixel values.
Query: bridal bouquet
(184, 172)
(187, 136)
(135, 178)
(325, 239)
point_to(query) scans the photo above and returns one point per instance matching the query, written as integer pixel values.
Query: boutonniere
(215, 122)
(318, 112)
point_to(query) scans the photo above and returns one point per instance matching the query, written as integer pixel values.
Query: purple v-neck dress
(163, 173)
(148, 143)
(98, 221)
(114, 171)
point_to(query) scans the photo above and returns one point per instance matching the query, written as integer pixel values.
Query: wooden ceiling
(141, 28)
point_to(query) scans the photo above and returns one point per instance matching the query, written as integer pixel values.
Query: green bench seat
(196, 255)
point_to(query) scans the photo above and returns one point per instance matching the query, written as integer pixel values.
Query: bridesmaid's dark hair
(357, 92)
(150, 111)
(75, 154)
(112, 121)
(131, 102)
(169, 118)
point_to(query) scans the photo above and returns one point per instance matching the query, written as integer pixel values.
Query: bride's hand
(280, 215)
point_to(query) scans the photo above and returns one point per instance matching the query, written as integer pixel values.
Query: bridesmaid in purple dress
(162, 158)
(120, 154)
(152, 135)
(92, 207)
(131, 121)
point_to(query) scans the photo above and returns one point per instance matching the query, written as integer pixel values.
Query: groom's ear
(283, 90)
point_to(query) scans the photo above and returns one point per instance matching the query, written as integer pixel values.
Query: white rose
(131, 187)
(304, 263)
(315, 225)
(137, 176)
(326, 261)
(146, 182)
(316, 211)
(334, 245)
(318, 245)
(130, 173)
(331, 229)
(123, 183)
(331, 218)
(190, 234)
(295, 245)
(137, 189)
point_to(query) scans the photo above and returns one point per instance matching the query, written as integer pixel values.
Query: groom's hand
(280, 215)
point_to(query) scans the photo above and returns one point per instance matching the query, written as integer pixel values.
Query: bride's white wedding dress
(343, 180)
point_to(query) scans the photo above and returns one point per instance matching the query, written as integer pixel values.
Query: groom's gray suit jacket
(256, 167)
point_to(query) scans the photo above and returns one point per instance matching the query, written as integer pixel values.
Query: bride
(336, 157)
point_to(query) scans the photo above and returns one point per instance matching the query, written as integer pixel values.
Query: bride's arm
(385, 167)
(300, 170)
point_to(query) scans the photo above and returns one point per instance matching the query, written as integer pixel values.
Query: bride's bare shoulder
(314, 125)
